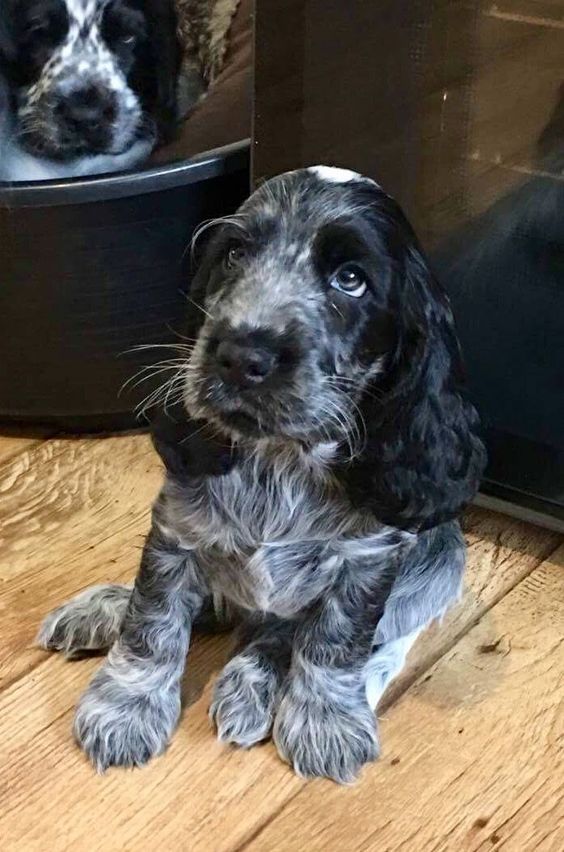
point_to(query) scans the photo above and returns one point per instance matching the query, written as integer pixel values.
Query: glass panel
(457, 108)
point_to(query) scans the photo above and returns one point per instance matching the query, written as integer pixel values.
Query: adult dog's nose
(243, 363)
(87, 108)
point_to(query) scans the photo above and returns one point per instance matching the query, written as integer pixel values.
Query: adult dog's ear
(423, 458)
(159, 69)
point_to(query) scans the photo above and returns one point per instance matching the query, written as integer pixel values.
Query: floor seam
(470, 626)
(260, 828)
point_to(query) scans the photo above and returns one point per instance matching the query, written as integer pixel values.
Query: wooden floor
(473, 732)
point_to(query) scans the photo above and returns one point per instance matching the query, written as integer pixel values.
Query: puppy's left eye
(350, 280)
(128, 40)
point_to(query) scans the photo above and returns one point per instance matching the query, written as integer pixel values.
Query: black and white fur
(318, 450)
(91, 86)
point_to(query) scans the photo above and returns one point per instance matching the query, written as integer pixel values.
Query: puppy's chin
(236, 422)
(239, 423)
(243, 425)
(243, 418)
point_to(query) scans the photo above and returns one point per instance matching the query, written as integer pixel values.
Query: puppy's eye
(350, 280)
(128, 40)
(235, 255)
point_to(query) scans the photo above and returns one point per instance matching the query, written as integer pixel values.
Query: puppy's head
(316, 319)
(73, 67)
(298, 295)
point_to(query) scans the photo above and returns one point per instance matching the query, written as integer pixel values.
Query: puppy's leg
(90, 621)
(132, 705)
(324, 725)
(341, 665)
(247, 690)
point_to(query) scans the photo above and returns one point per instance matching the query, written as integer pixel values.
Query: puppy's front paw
(325, 730)
(118, 723)
(244, 701)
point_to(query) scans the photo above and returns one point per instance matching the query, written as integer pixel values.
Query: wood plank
(13, 445)
(79, 512)
(472, 753)
(500, 554)
(74, 513)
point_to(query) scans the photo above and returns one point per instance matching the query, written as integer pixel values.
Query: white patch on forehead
(332, 174)
(335, 175)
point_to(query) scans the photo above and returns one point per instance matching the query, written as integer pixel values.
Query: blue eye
(349, 280)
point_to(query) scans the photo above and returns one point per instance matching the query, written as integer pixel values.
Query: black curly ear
(202, 259)
(423, 459)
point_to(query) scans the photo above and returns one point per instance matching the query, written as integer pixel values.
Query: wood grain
(473, 753)
(74, 512)
(13, 446)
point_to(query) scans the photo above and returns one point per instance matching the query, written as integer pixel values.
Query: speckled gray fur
(330, 598)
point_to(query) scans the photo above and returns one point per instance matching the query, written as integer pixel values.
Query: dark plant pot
(91, 268)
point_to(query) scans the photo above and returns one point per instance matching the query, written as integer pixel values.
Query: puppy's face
(296, 292)
(70, 69)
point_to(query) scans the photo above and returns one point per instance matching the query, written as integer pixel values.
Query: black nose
(243, 363)
(85, 109)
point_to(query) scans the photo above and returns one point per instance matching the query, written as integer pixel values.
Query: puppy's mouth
(235, 414)
(238, 413)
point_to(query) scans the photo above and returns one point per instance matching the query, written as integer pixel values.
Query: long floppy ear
(203, 256)
(160, 66)
(185, 446)
(423, 459)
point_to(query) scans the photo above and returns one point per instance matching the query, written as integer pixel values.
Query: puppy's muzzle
(242, 365)
(245, 360)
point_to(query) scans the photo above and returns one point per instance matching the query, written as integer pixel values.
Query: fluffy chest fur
(272, 534)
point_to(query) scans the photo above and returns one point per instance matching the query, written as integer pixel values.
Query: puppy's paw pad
(244, 702)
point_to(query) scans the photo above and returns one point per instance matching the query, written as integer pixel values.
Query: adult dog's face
(70, 65)
(296, 293)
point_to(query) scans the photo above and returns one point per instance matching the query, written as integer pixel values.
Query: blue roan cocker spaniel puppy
(318, 456)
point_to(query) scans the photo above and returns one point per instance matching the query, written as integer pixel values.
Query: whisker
(196, 305)
(236, 219)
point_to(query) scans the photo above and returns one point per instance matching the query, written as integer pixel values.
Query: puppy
(93, 85)
(316, 461)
